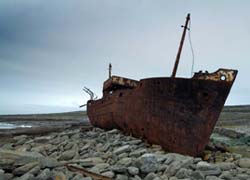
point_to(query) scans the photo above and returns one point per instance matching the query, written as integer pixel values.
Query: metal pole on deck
(110, 69)
(180, 47)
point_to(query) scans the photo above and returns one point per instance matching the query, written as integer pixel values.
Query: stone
(26, 176)
(121, 177)
(101, 167)
(213, 178)
(19, 158)
(196, 160)
(95, 170)
(20, 139)
(225, 166)
(39, 149)
(183, 173)
(67, 155)
(164, 177)
(118, 169)
(45, 174)
(136, 178)
(158, 178)
(35, 170)
(203, 165)
(2, 174)
(25, 147)
(212, 172)
(237, 156)
(135, 142)
(49, 163)
(24, 169)
(137, 153)
(7, 146)
(122, 149)
(170, 157)
(87, 178)
(125, 162)
(59, 176)
(226, 175)
(243, 176)
(161, 158)
(88, 162)
(69, 146)
(105, 147)
(208, 169)
(133, 170)
(150, 176)
(173, 178)
(113, 131)
(42, 139)
(197, 175)
(123, 155)
(172, 169)
(77, 177)
(244, 163)
(7, 176)
(147, 163)
(7, 164)
(162, 167)
(109, 174)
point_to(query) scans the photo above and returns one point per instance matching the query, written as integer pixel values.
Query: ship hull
(177, 113)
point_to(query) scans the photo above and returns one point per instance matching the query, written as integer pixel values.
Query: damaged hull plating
(177, 113)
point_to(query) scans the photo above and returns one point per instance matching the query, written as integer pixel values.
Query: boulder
(244, 162)
(147, 163)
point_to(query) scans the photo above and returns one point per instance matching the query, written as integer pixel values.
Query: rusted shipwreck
(177, 113)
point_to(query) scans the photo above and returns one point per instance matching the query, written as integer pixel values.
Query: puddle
(12, 126)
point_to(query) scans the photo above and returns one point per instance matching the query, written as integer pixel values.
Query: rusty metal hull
(177, 113)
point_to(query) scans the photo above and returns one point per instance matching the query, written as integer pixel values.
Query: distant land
(230, 116)
(75, 115)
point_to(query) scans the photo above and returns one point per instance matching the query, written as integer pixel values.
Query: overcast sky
(50, 50)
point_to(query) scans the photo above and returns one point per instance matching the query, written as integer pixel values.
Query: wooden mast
(180, 47)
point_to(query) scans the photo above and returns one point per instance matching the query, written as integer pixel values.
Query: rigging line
(191, 46)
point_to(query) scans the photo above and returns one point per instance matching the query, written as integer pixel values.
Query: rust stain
(220, 75)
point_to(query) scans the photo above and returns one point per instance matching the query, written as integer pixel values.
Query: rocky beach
(65, 146)
(85, 153)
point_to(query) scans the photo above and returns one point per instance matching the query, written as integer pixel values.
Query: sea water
(12, 126)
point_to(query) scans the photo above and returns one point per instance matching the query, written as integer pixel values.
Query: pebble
(45, 174)
(25, 168)
(67, 155)
(183, 173)
(121, 177)
(87, 178)
(109, 174)
(150, 176)
(122, 149)
(197, 175)
(133, 170)
(225, 166)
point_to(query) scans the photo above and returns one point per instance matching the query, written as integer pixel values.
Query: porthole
(223, 77)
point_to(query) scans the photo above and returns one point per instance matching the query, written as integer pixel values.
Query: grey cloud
(51, 49)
